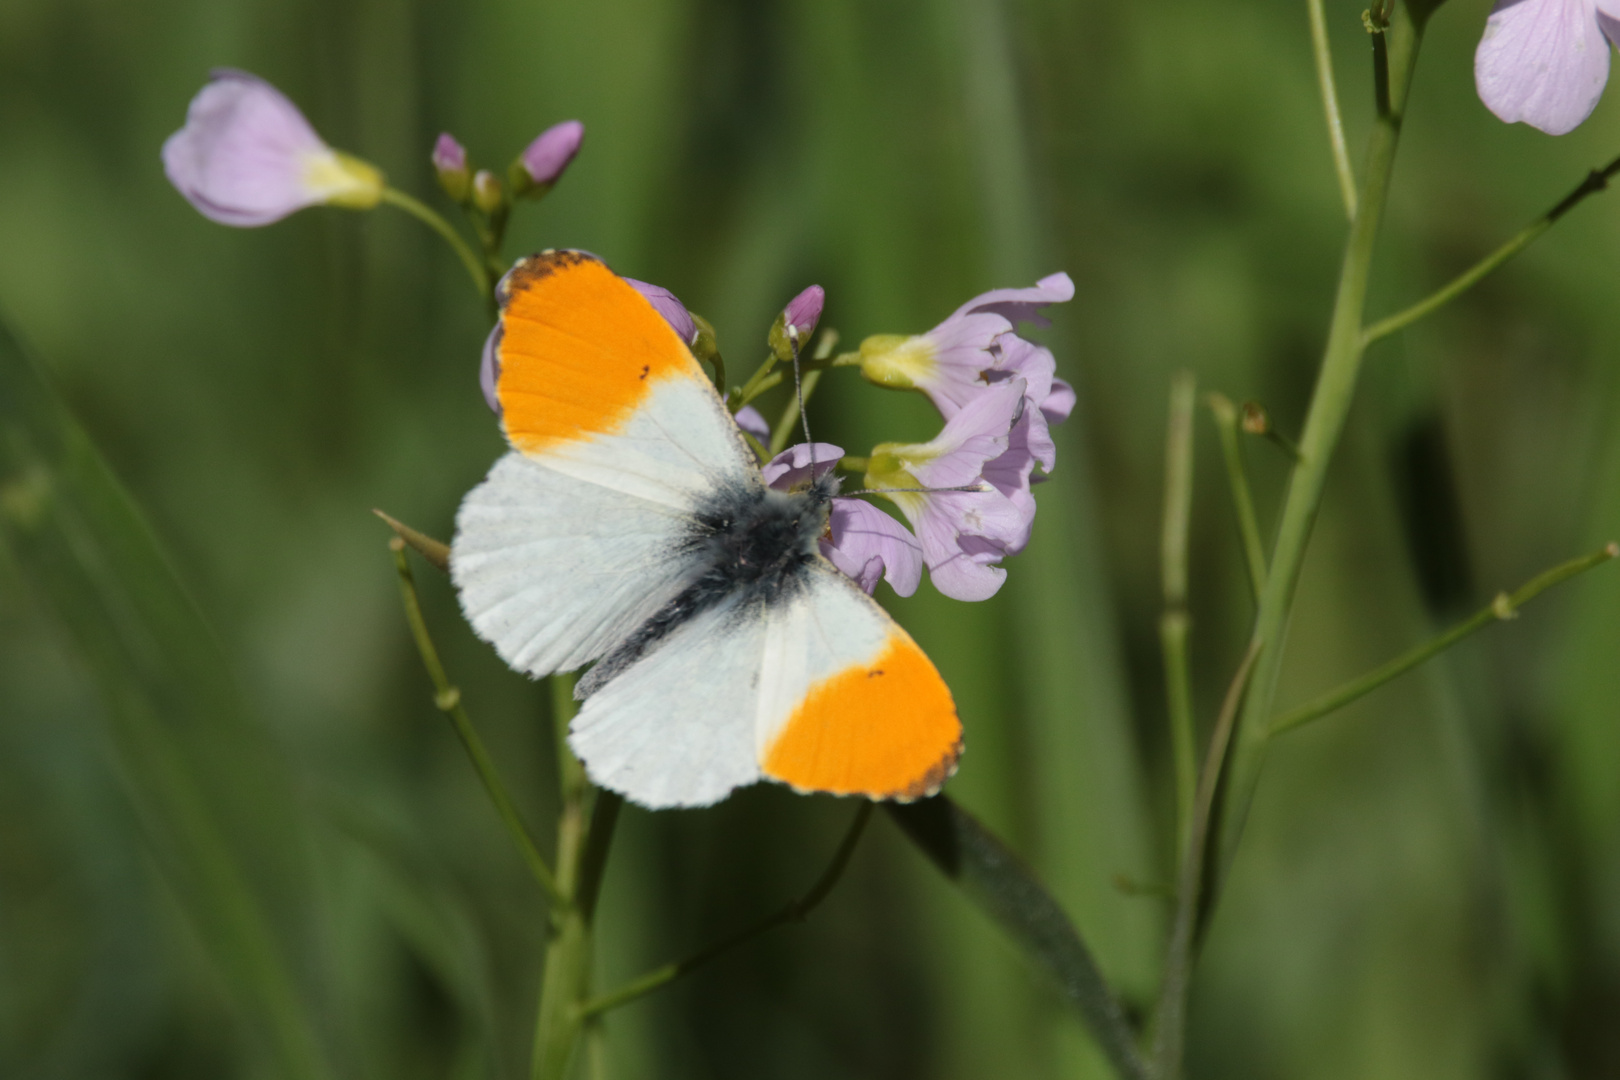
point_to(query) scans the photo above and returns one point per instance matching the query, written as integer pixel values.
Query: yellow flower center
(340, 179)
(897, 361)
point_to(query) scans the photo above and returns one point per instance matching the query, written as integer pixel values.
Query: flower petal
(866, 544)
(1023, 305)
(749, 419)
(956, 456)
(792, 466)
(489, 369)
(669, 306)
(1543, 62)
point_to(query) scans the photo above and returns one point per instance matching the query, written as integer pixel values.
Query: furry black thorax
(751, 543)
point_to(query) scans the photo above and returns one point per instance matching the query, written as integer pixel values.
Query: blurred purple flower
(861, 541)
(749, 419)
(548, 155)
(977, 347)
(667, 305)
(1545, 62)
(985, 445)
(448, 154)
(450, 164)
(247, 156)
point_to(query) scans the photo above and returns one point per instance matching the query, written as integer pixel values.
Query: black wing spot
(645, 368)
(874, 673)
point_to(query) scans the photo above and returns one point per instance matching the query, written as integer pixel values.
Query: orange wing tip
(528, 270)
(578, 349)
(885, 730)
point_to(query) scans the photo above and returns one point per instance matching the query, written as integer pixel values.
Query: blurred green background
(1430, 886)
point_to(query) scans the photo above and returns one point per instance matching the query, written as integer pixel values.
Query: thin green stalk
(760, 381)
(1174, 624)
(1395, 52)
(584, 831)
(1171, 1018)
(1597, 180)
(1505, 606)
(430, 218)
(448, 698)
(1254, 552)
(796, 911)
(1323, 55)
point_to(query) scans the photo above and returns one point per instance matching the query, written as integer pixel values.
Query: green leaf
(201, 776)
(1000, 885)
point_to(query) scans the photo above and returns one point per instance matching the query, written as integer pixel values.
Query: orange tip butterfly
(629, 527)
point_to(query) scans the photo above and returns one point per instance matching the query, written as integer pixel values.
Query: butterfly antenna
(798, 392)
(977, 486)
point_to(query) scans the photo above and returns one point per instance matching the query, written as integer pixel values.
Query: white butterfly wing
(580, 533)
(822, 691)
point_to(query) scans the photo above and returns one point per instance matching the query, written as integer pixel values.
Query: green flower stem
(1597, 180)
(1505, 606)
(1254, 552)
(760, 381)
(796, 911)
(421, 212)
(1330, 106)
(1171, 1018)
(1395, 52)
(448, 698)
(584, 832)
(1174, 624)
(851, 463)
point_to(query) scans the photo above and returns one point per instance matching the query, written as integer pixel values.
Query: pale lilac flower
(450, 163)
(669, 306)
(1545, 62)
(802, 313)
(248, 157)
(861, 541)
(977, 347)
(749, 419)
(548, 155)
(986, 445)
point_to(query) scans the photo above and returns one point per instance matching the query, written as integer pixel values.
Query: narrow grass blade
(212, 797)
(1000, 885)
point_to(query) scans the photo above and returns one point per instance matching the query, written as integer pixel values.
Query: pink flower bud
(549, 154)
(802, 313)
(450, 163)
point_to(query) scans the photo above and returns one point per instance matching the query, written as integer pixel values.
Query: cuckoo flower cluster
(246, 156)
(967, 492)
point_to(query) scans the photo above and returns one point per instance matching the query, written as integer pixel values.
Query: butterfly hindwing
(848, 703)
(821, 691)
